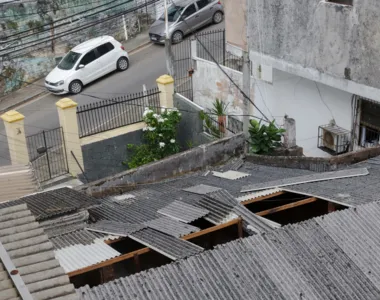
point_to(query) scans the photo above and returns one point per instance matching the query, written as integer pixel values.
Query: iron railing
(182, 65)
(47, 154)
(114, 113)
(368, 137)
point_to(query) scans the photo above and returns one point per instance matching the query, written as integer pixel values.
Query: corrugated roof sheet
(220, 211)
(54, 203)
(230, 174)
(16, 181)
(33, 256)
(329, 257)
(255, 195)
(182, 211)
(317, 177)
(76, 257)
(171, 227)
(167, 245)
(115, 228)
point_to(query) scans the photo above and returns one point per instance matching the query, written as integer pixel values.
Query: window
(345, 2)
(189, 11)
(105, 48)
(69, 61)
(203, 3)
(88, 58)
(173, 13)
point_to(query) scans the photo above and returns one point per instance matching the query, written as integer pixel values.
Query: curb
(130, 52)
(25, 100)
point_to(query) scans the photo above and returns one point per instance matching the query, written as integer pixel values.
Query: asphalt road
(146, 66)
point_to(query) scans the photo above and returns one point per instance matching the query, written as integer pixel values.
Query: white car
(86, 63)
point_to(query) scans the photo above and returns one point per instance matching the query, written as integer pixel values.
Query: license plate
(153, 38)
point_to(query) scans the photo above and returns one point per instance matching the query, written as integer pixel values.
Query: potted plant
(220, 109)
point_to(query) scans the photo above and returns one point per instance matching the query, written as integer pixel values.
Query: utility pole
(168, 45)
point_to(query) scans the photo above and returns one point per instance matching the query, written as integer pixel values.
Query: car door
(190, 19)
(106, 58)
(205, 11)
(90, 71)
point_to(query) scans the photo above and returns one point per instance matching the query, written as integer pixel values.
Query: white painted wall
(288, 94)
(300, 99)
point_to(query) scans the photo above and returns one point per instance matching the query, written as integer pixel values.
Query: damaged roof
(329, 257)
(27, 249)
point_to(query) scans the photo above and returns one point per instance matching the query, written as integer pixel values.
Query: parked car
(184, 17)
(86, 63)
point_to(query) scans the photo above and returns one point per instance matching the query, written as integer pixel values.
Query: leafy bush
(159, 137)
(208, 125)
(264, 139)
(219, 108)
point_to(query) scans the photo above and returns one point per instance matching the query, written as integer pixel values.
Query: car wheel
(122, 64)
(218, 17)
(75, 87)
(177, 37)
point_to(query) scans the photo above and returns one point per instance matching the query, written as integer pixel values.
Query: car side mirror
(80, 66)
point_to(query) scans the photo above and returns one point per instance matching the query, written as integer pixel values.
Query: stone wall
(329, 38)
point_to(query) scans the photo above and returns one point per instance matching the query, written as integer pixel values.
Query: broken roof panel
(220, 211)
(231, 175)
(317, 177)
(172, 227)
(183, 212)
(76, 257)
(201, 189)
(329, 257)
(115, 228)
(32, 254)
(167, 245)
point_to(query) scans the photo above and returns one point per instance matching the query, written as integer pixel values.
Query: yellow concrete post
(68, 119)
(14, 128)
(165, 84)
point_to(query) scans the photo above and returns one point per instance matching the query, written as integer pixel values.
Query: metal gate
(47, 154)
(182, 66)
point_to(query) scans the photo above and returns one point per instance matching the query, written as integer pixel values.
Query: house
(315, 61)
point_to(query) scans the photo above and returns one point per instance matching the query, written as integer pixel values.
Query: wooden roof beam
(286, 206)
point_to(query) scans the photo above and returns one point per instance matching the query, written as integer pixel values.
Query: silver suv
(185, 16)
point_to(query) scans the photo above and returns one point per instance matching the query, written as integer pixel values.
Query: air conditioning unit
(333, 139)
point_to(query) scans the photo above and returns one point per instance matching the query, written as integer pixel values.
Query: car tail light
(219, 2)
(122, 47)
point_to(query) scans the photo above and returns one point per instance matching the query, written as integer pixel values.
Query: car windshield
(173, 13)
(68, 62)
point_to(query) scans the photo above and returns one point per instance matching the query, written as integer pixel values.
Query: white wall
(288, 94)
(300, 99)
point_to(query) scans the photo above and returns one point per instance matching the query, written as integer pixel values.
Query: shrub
(159, 137)
(264, 139)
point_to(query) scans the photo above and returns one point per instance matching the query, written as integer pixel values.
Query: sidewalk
(37, 89)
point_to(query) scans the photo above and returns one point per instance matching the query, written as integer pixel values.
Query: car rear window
(105, 48)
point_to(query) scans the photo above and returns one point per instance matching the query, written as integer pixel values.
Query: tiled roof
(329, 257)
(54, 203)
(76, 257)
(16, 181)
(32, 254)
(167, 245)
(171, 226)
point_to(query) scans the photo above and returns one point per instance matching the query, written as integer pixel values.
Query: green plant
(159, 138)
(12, 24)
(189, 144)
(208, 125)
(35, 25)
(219, 108)
(264, 138)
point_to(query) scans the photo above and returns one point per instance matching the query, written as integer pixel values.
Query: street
(146, 66)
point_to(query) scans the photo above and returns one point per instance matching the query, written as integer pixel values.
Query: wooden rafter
(136, 253)
(286, 206)
(261, 198)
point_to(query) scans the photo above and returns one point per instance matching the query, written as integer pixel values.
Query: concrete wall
(192, 160)
(331, 43)
(104, 158)
(285, 93)
(236, 23)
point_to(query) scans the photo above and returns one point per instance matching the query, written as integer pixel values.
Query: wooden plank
(240, 228)
(286, 206)
(211, 229)
(109, 262)
(261, 198)
(146, 250)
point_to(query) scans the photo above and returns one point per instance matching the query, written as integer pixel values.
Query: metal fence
(47, 154)
(114, 113)
(211, 46)
(182, 64)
